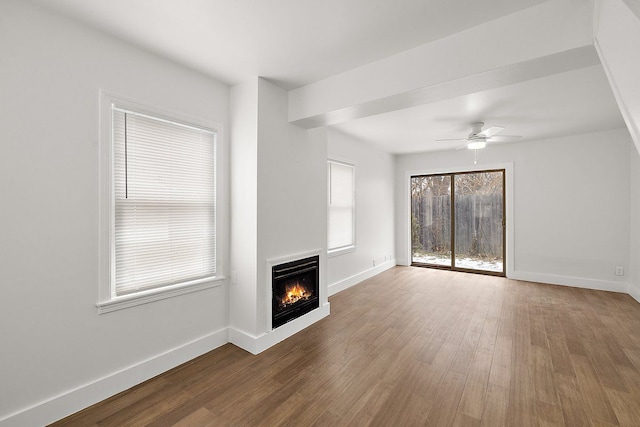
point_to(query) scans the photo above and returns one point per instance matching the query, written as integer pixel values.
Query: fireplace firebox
(295, 289)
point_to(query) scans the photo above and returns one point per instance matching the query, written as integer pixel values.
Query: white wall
(571, 205)
(374, 212)
(53, 340)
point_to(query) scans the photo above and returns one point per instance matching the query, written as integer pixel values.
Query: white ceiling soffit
(574, 102)
(289, 42)
(497, 77)
(552, 37)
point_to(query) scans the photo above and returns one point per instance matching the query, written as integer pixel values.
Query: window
(162, 232)
(341, 210)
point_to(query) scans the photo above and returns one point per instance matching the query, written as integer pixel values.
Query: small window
(341, 209)
(162, 230)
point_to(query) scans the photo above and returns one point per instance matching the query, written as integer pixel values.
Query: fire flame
(294, 294)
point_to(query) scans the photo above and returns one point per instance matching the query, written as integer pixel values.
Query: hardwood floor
(414, 346)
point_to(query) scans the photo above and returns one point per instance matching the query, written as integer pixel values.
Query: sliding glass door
(431, 220)
(458, 221)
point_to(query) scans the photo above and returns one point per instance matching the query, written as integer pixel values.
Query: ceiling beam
(550, 38)
(516, 73)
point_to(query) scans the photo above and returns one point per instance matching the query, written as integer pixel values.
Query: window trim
(107, 299)
(509, 167)
(452, 219)
(342, 250)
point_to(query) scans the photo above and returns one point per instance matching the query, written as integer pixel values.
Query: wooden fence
(478, 221)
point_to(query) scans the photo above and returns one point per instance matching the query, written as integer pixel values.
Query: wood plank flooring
(412, 347)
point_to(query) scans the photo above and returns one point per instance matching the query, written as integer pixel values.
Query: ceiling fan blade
(508, 136)
(451, 139)
(488, 132)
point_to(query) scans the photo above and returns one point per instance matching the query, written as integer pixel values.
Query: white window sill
(341, 251)
(144, 297)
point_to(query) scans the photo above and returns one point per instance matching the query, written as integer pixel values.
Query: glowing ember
(294, 294)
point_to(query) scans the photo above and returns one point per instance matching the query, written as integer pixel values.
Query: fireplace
(294, 289)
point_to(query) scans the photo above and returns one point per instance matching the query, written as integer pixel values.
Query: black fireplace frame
(282, 272)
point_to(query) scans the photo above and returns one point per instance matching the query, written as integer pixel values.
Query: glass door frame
(452, 267)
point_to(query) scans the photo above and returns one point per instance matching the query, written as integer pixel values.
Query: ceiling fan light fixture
(476, 145)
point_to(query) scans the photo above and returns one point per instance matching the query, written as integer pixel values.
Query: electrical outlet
(619, 271)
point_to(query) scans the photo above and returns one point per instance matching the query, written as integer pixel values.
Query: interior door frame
(509, 217)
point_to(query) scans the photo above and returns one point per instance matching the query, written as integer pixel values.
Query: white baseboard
(634, 292)
(86, 395)
(357, 278)
(576, 282)
(257, 344)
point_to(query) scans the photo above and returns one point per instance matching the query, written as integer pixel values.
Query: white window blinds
(164, 191)
(341, 206)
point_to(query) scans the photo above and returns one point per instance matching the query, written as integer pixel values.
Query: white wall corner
(634, 291)
(628, 118)
(72, 401)
(357, 278)
(243, 340)
(403, 261)
(617, 27)
(257, 344)
(634, 6)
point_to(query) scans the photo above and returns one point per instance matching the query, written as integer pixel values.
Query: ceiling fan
(478, 138)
